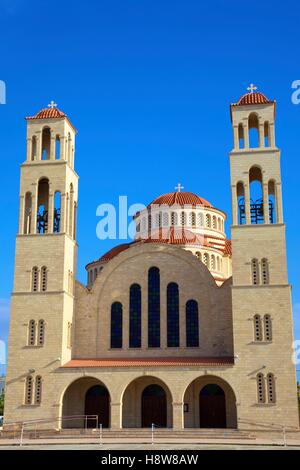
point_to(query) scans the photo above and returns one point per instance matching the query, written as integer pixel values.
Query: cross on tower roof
(252, 88)
(52, 104)
(179, 187)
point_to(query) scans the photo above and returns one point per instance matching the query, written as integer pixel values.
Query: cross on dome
(52, 105)
(179, 187)
(252, 88)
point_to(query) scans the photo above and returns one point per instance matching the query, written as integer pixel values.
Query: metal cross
(52, 104)
(179, 187)
(252, 88)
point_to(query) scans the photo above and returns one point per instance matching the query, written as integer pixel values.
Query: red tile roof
(47, 113)
(228, 248)
(150, 362)
(252, 98)
(181, 199)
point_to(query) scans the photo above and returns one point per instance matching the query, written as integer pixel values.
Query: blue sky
(148, 86)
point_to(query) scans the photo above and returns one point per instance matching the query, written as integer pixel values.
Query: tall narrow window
(153, 308)
(41, 332)
(116, 329)
(271, 388)
(46, 139)
(38, 390)
(183, 218)
(33, 148)
(256, 196)
(43, 203)
(35, 279)
(206, 260)
(71, 210)
(208, 220)
(172, 315)
(214, 222)
(272, 202)
(241, 136)
(255, 271)
(200, 219)
(265, 271)
(261, 393)
(28, 390)
(57, 212)
(257, 328)
(198, 254)
(69, 336)
(57, 148)
(174, 219)
(31, 333)
(135, 316)
(192, 324)
(267, 134)
(240, 194)
(267, 328)
(27, 214)
(44, 279)
(213, 262)
(253, 126)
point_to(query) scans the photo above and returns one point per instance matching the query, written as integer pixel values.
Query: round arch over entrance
(210, 402)
(86, 396)
(146, 400)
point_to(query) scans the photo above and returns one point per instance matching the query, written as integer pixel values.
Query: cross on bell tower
(252, 88)
(179, 187)
(52, 104)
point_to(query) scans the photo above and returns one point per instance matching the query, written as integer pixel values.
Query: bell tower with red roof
(261, 294)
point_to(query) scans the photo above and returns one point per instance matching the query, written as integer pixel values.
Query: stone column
(163, 316)
(52, 145)
(21, 215)
(266, 203)
(236, 145)
(246, 135)
(261, 135)
(247, 203)
(63, 147)
(39, 145)
(272, 134)
(178, 422)
(116, 415)
(234, 205)
(63, 204)
(29, 149)
(50, 211)
(34, 207)
(278, 198)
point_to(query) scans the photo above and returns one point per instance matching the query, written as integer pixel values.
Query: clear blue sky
(148, 86)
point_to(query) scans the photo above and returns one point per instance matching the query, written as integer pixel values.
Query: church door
(154, 407)
(97, 403)
(212, 407)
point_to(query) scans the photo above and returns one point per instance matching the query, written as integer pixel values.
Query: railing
(272, 427)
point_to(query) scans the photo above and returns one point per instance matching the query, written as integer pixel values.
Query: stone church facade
(181, 328)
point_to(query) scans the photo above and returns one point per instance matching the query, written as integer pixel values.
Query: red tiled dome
(114, 252)
(253, 98)
(48, 113)
(180, 198)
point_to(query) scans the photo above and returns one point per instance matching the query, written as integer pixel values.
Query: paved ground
(148, 447)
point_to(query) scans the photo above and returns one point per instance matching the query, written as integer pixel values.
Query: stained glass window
(116, 325)
(135, 312)
(192, 324)
(172, 315)
(153, 308)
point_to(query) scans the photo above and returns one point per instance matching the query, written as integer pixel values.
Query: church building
(182, 327)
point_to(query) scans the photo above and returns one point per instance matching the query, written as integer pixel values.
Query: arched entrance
(97, 403)
(85, 396)
(212, 406)
(154, 406)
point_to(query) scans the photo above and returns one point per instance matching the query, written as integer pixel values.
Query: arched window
(183, 218)
(57, 148)
(174, 219)
(240, 194)
(165, 219)
(255, 271)
(208, 220)
(267, 134)
(116, 329)
(256, 196)
(192, 324)
(213, 262)
(271, 388)
(135, 316)
(265, 271)
(268, 328)
(241, 136)
(206, 260)
(44, 279)
(261, 393)
(57, 212)
(192, 219)
(153, 308)
(172, 315)
(257, 328)
(28, 390)
(253, 126)
(41, 332)
(46, 139)
(31, 333)
(272, 202)
(33, 148)
(198, 254)
(43, 204)
(35, 279)
(200, 219)
(27, 214)
(38, 390)
(214, 223)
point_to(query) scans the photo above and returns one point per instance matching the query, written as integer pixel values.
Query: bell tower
(42, 301)
(261, 295)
